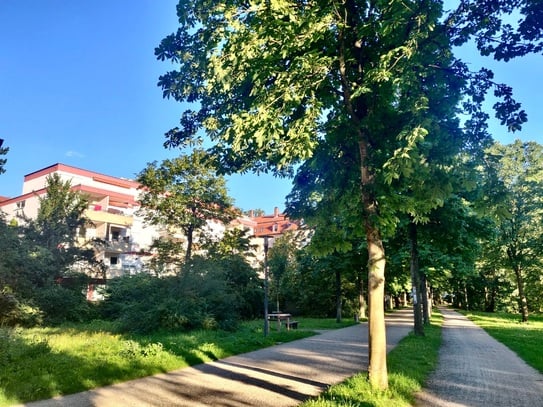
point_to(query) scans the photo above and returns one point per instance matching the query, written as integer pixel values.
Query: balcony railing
(96, 214)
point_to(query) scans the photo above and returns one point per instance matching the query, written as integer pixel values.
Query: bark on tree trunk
(415, 281)
(377, 369)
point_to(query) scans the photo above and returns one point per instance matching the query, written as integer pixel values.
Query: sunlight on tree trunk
(377, 369)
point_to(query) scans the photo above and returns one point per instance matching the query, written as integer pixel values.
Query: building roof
(273, 225)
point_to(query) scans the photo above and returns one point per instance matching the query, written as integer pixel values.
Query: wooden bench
(291, 324)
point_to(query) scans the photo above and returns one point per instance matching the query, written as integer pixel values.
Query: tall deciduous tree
(267, 76)
(520, 168)
(185, 193)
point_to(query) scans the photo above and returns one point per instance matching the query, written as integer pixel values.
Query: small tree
(185, 193)
(54, 231)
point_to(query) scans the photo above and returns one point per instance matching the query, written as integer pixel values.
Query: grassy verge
(409, 364)
(522, 338)
(41, 363)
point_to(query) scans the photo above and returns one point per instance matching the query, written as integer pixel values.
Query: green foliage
(516, 242)
(38, 256)
(210, 294)
(60, 304)
(15, 311)
(185, 193)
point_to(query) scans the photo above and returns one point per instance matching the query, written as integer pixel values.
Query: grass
(41, 363)
(525, 339)
(409, 364)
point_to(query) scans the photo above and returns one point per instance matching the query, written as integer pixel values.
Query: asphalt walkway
(475, 370)
(278, 376)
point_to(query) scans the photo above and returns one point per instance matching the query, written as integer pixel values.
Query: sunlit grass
(525, 339)
(409, 364)
(41, 363)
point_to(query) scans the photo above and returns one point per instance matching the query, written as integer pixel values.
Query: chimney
(275, 212)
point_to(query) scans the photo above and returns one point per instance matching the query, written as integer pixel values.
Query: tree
(520, 235)
(185, 193)
(267, 77)
(41, 254)
(54, 231)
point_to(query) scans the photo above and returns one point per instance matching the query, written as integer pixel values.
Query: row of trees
(339, 86)
(484, 253)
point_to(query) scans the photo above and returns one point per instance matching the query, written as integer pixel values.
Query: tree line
(360, 99)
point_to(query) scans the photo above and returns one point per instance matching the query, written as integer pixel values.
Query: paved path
(278, 376)
(475, 370)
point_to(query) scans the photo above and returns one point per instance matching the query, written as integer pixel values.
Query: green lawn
(526, 339)
(41, 363)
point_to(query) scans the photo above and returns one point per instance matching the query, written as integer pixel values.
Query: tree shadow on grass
(30, 370)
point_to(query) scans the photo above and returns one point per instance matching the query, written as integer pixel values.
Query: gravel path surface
(278, 376)
(476, 370)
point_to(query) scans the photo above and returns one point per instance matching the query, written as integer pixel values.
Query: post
(266, 322)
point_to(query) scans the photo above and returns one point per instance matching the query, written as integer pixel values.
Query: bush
(59, 304)
(16, 312)
(197, 299)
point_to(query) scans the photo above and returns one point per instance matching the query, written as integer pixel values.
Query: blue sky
(78, 86)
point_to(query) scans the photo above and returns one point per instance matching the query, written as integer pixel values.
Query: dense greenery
(37, 279)
(183, 194)
(364, 95)
(213, 293)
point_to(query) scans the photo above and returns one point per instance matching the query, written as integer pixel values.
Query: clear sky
(78, 86)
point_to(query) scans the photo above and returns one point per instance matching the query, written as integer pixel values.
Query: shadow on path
(278, 376)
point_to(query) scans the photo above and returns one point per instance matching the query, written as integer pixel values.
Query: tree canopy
(185, 193)
(272, 82)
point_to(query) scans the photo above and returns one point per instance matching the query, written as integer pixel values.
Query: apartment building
(112, 211)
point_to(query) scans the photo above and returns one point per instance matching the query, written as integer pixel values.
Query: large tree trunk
(377, 369)
(415, 280)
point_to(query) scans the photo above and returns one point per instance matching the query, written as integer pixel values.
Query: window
(113, 260)
(21, 204)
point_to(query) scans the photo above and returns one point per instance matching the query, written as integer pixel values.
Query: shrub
(59, 304)
(17, 312)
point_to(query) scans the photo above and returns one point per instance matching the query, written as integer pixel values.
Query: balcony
(121, 245)
(108, 216)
